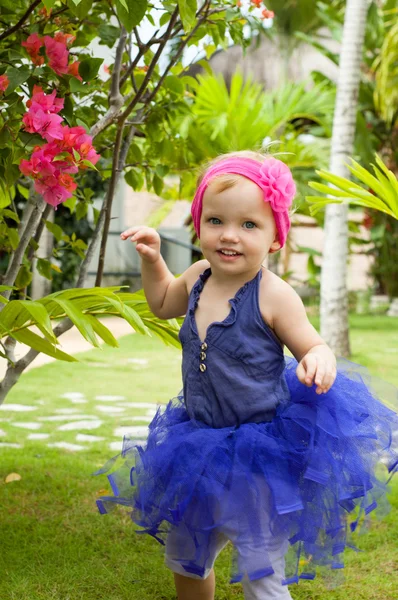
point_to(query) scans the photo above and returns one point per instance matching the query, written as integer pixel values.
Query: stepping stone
(66, 446)
(152, 405)
(72, 395)
(85, 437)
(114, 410)
(38, 436)
(119, 445)
(18, 407)
(78, 401)
(144, 419)
(2, 433)
(28, 425)
(66, 411)
(138, 361)
(66, 417)
(80, 425)
(110, 398)
(9, 445)
(138, 430)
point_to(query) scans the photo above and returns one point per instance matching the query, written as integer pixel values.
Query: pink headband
(272, 176)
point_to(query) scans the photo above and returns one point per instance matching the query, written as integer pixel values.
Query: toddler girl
(276, 455)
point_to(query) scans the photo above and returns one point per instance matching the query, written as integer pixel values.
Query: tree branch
(152, 66)
(116, 99)
(16, 258)
(11, 30)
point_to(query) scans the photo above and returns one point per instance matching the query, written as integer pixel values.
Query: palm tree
(334, 297)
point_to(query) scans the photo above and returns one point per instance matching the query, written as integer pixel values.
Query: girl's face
(237, 228)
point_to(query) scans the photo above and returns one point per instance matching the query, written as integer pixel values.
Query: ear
(276, 245)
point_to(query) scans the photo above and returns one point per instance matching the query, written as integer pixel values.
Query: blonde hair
(220, 183)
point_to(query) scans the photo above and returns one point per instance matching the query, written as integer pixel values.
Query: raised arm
(167, 295)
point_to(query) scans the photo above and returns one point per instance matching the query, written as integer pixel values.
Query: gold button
(202, 367)
(204, 346)
(202, 355)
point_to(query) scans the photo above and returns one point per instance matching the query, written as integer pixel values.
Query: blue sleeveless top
(236, 375)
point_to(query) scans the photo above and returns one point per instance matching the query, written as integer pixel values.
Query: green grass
(55, 545)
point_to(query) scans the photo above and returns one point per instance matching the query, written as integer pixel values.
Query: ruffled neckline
(231, 317)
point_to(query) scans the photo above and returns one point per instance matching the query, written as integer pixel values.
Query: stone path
(72, 420)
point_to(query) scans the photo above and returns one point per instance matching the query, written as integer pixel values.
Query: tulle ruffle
(311, 476)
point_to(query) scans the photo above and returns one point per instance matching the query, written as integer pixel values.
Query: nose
(229, 233)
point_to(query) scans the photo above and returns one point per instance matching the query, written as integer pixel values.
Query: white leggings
(266, 588)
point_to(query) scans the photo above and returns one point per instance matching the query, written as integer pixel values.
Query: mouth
(229, 253)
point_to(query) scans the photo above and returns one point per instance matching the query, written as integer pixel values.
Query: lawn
(55, 545)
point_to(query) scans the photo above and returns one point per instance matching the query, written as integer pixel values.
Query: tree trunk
(334, 296)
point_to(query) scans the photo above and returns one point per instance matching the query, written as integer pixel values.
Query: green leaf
(80, 8)
(24, 277)
(174, 84)
(89, 164)
(5, 199)
(76, 155)
(187, 10)
(10, 214)
(103, 332)
(134, 178)
(48, 3)
(40, 316)
(133, 16)
(13, 237)
(79, 319)
(44, 268)
(77, 86)
(16, 77)
(157, 184)
(89, 67)
(81, 210)
(55, 229)
(23, 191)
(25, 336)
(108, 34)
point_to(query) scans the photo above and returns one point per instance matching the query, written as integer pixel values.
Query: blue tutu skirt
(311, 476)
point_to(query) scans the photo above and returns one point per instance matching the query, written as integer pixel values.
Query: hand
(147, 242)
(318, 366)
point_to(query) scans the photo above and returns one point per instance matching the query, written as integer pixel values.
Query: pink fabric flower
(33, 45)
(277, 182)
(4, 83)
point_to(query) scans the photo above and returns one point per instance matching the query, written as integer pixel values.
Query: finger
(300, 372)
(328, 381)
(131, 231)
(310, 368)
(146, 252)
(320, 373)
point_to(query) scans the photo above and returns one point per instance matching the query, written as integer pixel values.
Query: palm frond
(378, 191)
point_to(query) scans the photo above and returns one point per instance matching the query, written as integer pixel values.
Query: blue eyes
(246, 224)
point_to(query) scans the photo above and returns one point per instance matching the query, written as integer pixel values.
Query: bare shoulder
(191, 275)
(276, 297)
